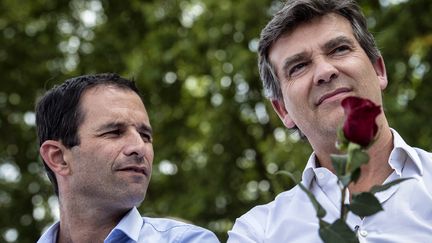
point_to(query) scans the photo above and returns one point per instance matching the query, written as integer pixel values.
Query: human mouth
(142, 170)
(332, 95)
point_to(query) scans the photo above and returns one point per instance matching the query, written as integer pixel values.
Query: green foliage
(217, 140)
(379, 188)
(320, 211)
(338, 231)
(364, 204)
(339, 162)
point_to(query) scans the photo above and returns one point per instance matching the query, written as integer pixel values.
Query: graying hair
(295, 12)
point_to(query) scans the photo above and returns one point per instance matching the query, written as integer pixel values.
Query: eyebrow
(116, 125)
(335, 42)
(146, 128)
(288, 62)
(329, 45)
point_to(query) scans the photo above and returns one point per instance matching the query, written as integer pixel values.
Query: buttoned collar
(401, 152)
(398, 157)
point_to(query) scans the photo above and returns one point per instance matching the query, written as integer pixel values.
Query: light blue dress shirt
(407, 215)
(136, 229)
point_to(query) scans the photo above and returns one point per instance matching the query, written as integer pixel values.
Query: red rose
(360, 126)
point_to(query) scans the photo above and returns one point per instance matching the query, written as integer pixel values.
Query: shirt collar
(309, 171)
(400, 152)
(130, 225)
(50, 236)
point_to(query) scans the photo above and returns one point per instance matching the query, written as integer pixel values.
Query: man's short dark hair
(59, 115)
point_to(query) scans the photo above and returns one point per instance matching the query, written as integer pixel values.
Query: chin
(131, 199)
(139, 199)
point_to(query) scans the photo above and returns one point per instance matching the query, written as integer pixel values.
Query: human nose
(135, 145)
(324, 71)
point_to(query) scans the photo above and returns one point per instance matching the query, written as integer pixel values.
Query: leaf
(386, 186)
(353, 146)
(358, 158)
(351, 177)
(292, 176)
(342, 142)
(339, 163)
(364, 204)
(319, 209)
(345, 180)
(338, 232)
(355, 175)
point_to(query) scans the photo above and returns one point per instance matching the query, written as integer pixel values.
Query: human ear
(52, 152)
(279, 107)
(380, 70)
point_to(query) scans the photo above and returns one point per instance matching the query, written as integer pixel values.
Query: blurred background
(217, 141)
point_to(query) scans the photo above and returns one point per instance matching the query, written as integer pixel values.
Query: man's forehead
(107, 104)
(108, 93)
(115, 120)
(107, 87)
(311, 32)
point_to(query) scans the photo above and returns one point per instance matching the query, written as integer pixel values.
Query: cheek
(101, 157)
(294, 96)
(149, 153)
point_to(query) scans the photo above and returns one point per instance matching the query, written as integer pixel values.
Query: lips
(331, 94)
(136, 169)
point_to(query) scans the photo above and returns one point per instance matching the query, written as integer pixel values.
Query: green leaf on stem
(342, 142)
(358, 158)
(353, 146)
(293, 176)
(364, 204)
(386, 186)
(350, 177)
(320, 211)
(355, 175)
(339, 163)
(338, 232)
(345, 180)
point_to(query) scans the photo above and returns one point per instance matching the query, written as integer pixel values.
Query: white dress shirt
(136, 229)
(407, 215)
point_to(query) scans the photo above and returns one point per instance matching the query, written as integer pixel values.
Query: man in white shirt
(312, 55)
(96, 143)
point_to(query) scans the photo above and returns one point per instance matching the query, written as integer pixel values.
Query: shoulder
(252, 226)
(424, 155)
(426, 163)
(422, 160)
(171, 230)
(281, 201)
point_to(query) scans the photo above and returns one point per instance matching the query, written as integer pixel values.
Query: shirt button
(356, 228)
(363, 233)
(321, 175)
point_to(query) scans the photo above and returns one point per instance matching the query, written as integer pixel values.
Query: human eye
(112, 133)
(340, 50)
(146, 137)
(296, 69)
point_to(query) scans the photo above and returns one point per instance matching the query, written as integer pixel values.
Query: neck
(80, 222)
(376, 171)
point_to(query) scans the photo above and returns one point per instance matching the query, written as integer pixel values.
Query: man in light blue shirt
(96, 144)
(312, 55)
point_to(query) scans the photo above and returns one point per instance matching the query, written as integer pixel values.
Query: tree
(217, 140)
